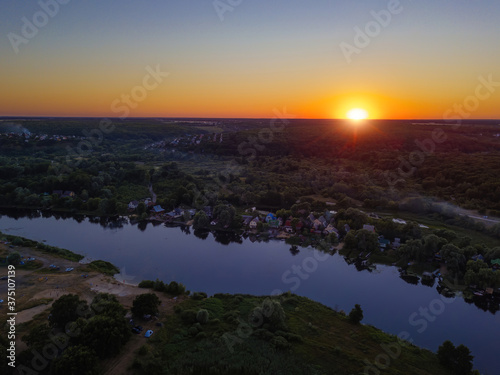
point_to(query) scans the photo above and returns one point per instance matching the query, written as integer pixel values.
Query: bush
(280, 342)
(199, 295)
(356, 314)
(188, 316)
(193, 331)
(147, 284)
(202, 316)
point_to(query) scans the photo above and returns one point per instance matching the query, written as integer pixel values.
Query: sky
(248, 58)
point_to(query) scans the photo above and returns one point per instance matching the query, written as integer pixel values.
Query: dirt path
(36, 285)
(122, 363)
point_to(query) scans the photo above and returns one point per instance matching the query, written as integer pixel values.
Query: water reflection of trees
(485, 303)
(201, 234)
(225, 238)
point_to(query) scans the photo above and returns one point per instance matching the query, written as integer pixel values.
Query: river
(218, 264)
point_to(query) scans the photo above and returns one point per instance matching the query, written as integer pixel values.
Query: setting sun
(357, 114)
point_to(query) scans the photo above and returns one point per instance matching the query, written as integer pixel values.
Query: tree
(107, 304)
(458, 360)
(77, 360)
(350, 240)
(145, 304)
(14, 258)
(67, 308)
(106, 334)
(201, 220)
(38, 337)
(367, 240)
(356, 314)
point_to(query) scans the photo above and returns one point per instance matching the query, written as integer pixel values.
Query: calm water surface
(215, 266)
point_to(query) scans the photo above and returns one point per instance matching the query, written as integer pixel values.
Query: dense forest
(377, 165)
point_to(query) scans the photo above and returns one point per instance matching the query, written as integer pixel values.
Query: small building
(133, 205)
(253, 223)
(274, 223)
(208, 211)
(246, 219)
(383, 243)
(270, 217)
(323, 221)
(68, 194)
(369, 227)
(158, 209)
(317, 225)
(331, 229)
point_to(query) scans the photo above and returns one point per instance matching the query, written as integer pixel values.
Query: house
(253, 223)
(213, 222)
(289, 228)
(478, 257)
(311, 218)
(274, 223)
(347, 228)
(317, 225)
(270, 216)
(383, 243)
(331, 229)
(369, 227)
(495, 263)
(68, 194)
(396, 243)
(133, 205)
(208, 211)
(323, 221)
(299, 226)
(158, 209)
(246, 219)
(57, 192)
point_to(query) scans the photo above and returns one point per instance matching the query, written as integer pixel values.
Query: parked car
(148, 333)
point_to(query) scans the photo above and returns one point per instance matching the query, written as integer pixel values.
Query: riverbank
(37, 289)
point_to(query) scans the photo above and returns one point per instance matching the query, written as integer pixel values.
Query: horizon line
(243, 118)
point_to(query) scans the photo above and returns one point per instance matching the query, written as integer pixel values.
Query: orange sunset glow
(237, 69)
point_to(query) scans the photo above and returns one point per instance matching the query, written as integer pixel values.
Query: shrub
(188, 316)
(199, 295)
(147, 284)
(193, 331)
(202, 316)
(356, 314)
